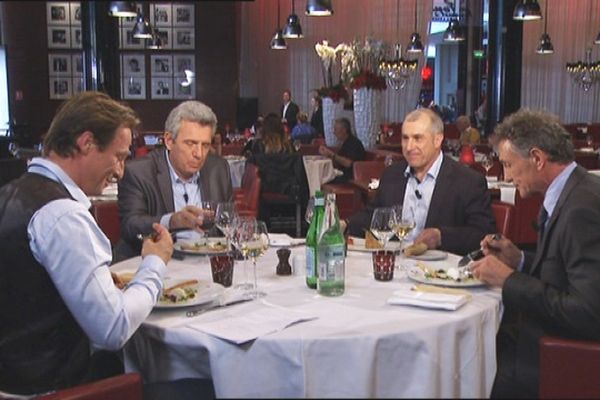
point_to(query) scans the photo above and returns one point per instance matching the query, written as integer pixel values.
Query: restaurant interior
(483, 59)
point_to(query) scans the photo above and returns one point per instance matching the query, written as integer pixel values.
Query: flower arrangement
(336, 92)
(360, 63)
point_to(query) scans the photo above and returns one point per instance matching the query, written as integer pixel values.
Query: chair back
(504, 213)
(120, 387)
(106, 214)
(247, 198)
(232, 149)
(569, 368)
(366, 170)
(309, 149)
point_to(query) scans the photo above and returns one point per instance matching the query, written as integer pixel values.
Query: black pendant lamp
(415, 45)
(319, 8)
(142, 28)
(454, 32)
(278, 42)
(597, 41)
(122, 9)
(545, 46)
(527, 10)
(292, 29)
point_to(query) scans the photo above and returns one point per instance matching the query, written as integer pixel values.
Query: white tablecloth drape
(237, 164)
(358, 347)
(319, 170)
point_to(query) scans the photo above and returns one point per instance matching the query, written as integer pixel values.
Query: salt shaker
(284, 267)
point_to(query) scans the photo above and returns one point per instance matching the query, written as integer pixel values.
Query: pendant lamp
(278, 42)
(122, 9)
(545, 46)
(415, 45)
(319, 8)
(527, 10)
(292, 29)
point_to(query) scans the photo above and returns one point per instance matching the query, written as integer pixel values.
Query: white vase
(367, 115)
(331, 111)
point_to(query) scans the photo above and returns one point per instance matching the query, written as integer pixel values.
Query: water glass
(221, 266)
(383, 265)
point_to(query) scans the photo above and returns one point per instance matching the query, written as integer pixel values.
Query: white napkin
(507, 194)
(284, 240)
(374, 184)
(492, 178)
(429, 300)
(244, 328)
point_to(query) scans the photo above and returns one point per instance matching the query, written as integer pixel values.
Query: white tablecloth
(237, 164)
(319, 170)
(358, 347)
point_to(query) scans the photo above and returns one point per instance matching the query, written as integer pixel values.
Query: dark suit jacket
(559, 291)
(290, 114)
(316, 120)
(460, 205)
(146, 194)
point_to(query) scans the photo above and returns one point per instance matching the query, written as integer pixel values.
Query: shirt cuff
(165, 220)
(520, 266)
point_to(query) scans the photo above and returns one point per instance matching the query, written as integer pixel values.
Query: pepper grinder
(284, 267)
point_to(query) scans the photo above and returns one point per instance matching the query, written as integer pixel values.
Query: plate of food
(369, 244)
(202, 246)
(424, 273)
(419, 251)
(188, 292)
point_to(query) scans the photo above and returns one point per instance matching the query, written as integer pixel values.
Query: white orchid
(327, 55)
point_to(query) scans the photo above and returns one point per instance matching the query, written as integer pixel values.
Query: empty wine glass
(487, 162)
(238, 233)
(254, 241)
(382, 222)
(224, 218)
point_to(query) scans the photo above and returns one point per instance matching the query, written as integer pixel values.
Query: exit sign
(478, 53)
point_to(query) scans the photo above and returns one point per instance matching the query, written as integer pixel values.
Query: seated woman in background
(351, 150)
(271, 138)
(303, 131)
(468, 134)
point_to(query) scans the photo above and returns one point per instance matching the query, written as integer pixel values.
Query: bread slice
(371, 241)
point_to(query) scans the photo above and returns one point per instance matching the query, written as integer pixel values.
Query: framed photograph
(133, 64)
(160, 13)
(161, 65)
(128, 41)
(77, 85)
(183, 38)
(130, 21)
(76, 37)
(60, 88)
(183, 15)
(58, 13)
(162, 88)
(59, 37)
(184, 88)
(59, 64)
(182, 62)
(165, 35)
(133, 87)
(77, 64)
(75, 13)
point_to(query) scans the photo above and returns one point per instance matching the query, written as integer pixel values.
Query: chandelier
(398, 71)
(585, 74)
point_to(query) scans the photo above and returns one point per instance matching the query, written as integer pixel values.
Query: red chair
(366, 170)
(246, 197)
(504, 214)
(451, 131)
(106, 214)
(309, 149)
(120, 387)
(232, 149)
(569, 368)
(587, 159)
(526, 214)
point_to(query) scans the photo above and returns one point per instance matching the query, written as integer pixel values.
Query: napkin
(507, 194)
(374, 184)
(244, 328)
(284, 240)
(431, 297)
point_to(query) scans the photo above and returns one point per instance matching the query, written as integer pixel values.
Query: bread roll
(371, 242)
(415, 249)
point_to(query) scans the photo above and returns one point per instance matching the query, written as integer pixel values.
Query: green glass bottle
(331, 254)
(312, 237)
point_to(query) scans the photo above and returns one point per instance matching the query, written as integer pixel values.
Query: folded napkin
(507, 194)
(284, 240)
(431, 297)
(244, 328)
(492, 178)
(374, 184)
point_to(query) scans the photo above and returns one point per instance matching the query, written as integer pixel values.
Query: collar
(556, 187)
(433, 171)
(173, 173)
(51, 170)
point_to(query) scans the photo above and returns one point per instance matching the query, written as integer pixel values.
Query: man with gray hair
(168, 186)
(556, 290)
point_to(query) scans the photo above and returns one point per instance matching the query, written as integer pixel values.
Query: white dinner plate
(431, 255)
(417, 274)
(202, 246)
(358, 244)
(207, 292)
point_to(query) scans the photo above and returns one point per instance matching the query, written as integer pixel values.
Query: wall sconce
(527, 10)
(292, 29)
(122, 9)
(319, 8)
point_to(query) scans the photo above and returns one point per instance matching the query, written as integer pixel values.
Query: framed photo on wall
(59, 37)
(76, 37)
(166, 37)
(183, 62)
(161, 65)
(59, 64)
(133, 87)
(160, 13)
(128, 41)
(162, 88)
(60, 88)
(183, 38)
(183, 15)
(75, 11)
(184, 88)
(77, 64)
(58, 13)
(133, 64)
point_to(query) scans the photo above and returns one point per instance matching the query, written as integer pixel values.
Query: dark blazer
(146, 194)
(559, 291)
(460, 205)
(290, 114)
(316, 120)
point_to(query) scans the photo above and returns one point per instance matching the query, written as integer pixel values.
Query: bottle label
(310, 262)
(331, 265)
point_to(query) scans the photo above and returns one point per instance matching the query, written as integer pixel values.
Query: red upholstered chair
(569, 368)
(504, 213)
(366, 170)
(106, 214)
(246, 197)
(120, 387)
(232, 149)
(309, 149)
(526, 214)
(451, 131)
(587, 159)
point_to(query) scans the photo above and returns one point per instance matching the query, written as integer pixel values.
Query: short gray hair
(527, 128)
(345, 123)
(436, 125)
(193, 111)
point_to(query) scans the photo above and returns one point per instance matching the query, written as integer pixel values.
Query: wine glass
(487, 162)
(239, 232)
(224, 218)
(404, 223)
(13, 148)
(254, 243)
(589, 140)
(297, 144)
(382, 222)
(208, 216)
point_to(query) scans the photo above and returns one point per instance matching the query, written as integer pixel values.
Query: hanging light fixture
(156, 42)
(278, 42)
(122, 9)
(292, 29)
(527, 10)
(398, 70)
(142, 28)
(597, 41)
(545, 46)
(415, 45)
(585, 73)
(454, 31)
(319, 8)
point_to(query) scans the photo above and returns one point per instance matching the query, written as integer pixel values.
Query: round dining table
(355, 345)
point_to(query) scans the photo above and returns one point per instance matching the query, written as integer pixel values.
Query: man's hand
(119, 283)
(503, 249)
(161, 245)
(432, 237)
(324, 151)
(491, 271)
(189, 217)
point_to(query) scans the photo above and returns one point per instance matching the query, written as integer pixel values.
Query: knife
(194, 313)
(476, 254)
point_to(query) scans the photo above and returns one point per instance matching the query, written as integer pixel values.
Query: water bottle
(312, 237)
(331, 255)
